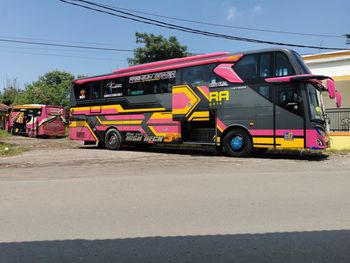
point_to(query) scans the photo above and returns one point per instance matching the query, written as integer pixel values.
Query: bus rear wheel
(113, 139)
(237, 143)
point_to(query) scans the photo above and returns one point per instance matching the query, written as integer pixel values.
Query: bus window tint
(301, 63)
(112, 88)
(199, 75)
(247, 67)
(150, 87)
(265, 65)
(95, 90)
(137, 89)
(264, 91)
(286, 99)
(81, 92)
(283, 66)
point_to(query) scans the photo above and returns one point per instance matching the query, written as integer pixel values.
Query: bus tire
(113, 139)
(237, 143)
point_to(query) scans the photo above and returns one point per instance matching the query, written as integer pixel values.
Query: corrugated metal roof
(3, 107)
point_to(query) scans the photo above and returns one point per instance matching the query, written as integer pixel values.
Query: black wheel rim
(113, 141)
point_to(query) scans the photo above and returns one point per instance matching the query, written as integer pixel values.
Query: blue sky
(56, 22)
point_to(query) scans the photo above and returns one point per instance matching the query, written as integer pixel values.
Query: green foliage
(156, 48)
(52, 88)
(11, 92)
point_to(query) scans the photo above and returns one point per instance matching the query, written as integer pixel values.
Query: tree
(52, 88)
(11, 92)
(156, 48)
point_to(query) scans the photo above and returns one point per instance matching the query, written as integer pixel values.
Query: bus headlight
(320, 131)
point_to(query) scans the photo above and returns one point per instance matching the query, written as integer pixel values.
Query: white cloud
(231, 13)
(256, 10)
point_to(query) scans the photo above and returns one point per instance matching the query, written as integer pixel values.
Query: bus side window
(112, 88)
(286, 99)
(247, 67)
(82, 92)
(193, 75)
(265, 65)
(137, 89)
(264, 90)
(199, 75)
(283, 66)
(165, 85)
(95, 90)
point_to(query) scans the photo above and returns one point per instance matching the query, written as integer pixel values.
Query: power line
(229, 26)
(67, 50)
(84, 51)
(56, 40)
(145, 20)
(59, 55)
(64, 45)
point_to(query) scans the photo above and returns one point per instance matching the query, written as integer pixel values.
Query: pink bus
(35, 120)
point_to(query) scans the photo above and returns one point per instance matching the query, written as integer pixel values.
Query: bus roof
(33, 106)
(165, 65)
(176, 63)
(169, 62)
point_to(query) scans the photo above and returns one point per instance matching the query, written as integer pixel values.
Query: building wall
(337, 66)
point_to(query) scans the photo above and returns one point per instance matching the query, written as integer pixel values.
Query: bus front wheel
(237, 143)
(113, 139)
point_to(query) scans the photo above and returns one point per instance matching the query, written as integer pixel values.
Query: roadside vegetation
(8, 149)
(4, 133)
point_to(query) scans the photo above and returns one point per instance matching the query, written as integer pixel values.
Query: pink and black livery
(236, 102)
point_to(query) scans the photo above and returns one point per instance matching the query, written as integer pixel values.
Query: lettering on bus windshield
(153, 76)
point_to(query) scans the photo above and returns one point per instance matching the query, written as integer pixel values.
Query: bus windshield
(317, 109)
(301, 63)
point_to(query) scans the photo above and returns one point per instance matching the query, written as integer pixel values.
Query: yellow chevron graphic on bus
(199, 116)
(184, 100)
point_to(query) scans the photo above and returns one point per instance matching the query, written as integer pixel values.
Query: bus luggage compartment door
(190, 103)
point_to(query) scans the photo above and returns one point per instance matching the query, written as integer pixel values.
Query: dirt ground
(41, 152)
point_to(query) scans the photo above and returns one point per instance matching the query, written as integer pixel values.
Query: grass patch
(10, 150)
(4, 133)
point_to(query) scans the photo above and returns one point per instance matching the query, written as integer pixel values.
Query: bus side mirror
(331, 88)
(338, 98)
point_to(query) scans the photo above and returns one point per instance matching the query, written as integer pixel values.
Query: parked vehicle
(36, 120)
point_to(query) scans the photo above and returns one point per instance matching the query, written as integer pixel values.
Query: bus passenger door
(190, 105)
(289, 118)
(95, 108)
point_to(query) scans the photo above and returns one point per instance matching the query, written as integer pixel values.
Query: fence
(340, 119)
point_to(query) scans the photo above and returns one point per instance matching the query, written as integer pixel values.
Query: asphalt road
(74, 204)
